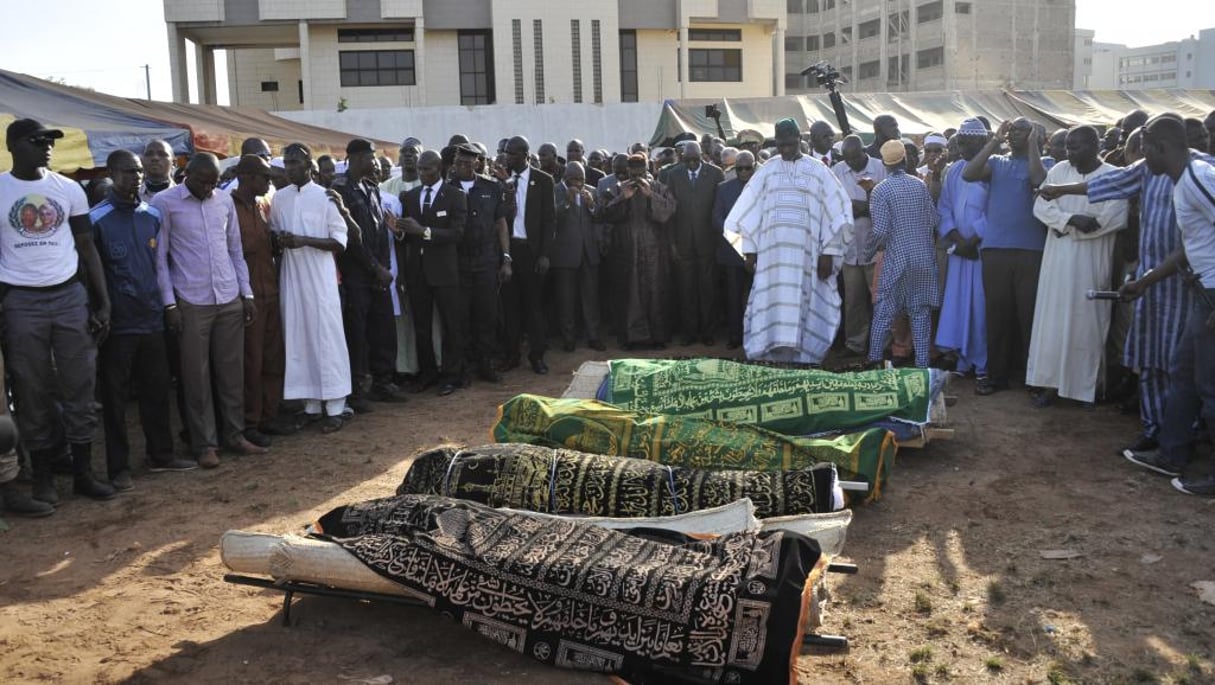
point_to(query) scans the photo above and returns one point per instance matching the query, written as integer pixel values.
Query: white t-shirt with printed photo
(37, 247)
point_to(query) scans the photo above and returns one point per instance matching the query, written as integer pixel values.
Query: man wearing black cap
(371, 334)
(484, 256)
(47, 313)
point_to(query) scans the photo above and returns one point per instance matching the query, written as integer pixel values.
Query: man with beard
(1068, 343)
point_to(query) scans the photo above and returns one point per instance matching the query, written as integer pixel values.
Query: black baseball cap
(358, 146)
(24, 128)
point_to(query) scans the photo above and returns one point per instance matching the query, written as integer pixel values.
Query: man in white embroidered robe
(1068, 341)
(795, 220)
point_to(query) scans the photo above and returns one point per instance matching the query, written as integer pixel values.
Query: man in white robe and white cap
(311, 229)
(795, 219)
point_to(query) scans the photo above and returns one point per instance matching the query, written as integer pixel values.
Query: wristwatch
(247, 298)
(506, 258)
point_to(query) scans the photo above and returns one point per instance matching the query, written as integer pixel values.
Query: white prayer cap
(935, 138)
(277, 162)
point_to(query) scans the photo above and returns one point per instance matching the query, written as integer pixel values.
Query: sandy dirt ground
(952, 584)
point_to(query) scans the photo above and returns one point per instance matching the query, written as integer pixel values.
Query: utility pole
(147, 77)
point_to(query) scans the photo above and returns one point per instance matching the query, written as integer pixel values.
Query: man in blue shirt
(1011, 248)
(126, 230)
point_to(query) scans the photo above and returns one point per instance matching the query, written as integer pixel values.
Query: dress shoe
(243, 446)
(172, 464)
(360, 404)
(209, 459)
(539, 366)
(257, 437)
(596, 345)
(332, 424)
(279, 425)
(984, 385)
(446, 389)
(487, 374)
(122, 481)
(423, 383)
(387, 392)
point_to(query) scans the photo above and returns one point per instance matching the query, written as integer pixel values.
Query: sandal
(332, 424)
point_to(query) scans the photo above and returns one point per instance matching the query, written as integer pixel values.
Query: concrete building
(1187, 64)
(1082, 60)
(325, 54)
(913, 45)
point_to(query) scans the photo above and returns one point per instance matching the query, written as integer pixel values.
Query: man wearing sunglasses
(47, 310)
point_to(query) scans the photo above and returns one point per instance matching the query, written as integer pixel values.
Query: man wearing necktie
(430, 230)
(822, 136)
(532, 229)
(694, 242)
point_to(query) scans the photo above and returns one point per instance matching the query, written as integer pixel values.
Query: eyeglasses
(41, 141)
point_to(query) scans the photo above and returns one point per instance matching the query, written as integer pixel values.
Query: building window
(719, 35)
(628, 66)
(870, 69)
(828, 40)
(516, 30)
(794, 82)
(476, 68)
(869, 29)
(847, 73)
(828, 4)
(812, 43)
(1088, 60)
(576, 49)
(846, 35)
(928, 12)
(399, 34)
(931, 57)
(538, 52)
(714, 65)
(795, 43)
(1088, 42)
(811, 6)
(964, 8)
(897, 24)
(300, 83)
(269, 86)
(376, 68)
(896, 70)
(596, 61)
(794, 7)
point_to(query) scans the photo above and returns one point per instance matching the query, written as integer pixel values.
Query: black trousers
(1010, 284)
(144, 359)
(696, 285)
(423, 300)
(738, 288)
(523, 304)
(574, 287)
(371, 334)
(479, 314)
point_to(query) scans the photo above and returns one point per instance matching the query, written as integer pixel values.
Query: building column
(306, 67)
(778, 61)
(177, 65)
(683, 58)
(204, 61)
(419, 61)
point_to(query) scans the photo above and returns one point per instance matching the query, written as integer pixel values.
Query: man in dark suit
(738, 279)
(575, 151)
(694, 241)
(483, 262)
(531, 233)
(822, 137)
(575, 257)
(430, 229)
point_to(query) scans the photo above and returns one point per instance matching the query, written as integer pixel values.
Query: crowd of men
(279, 293)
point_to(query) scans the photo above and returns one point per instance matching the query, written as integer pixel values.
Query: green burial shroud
(788, 401)
(599, 428)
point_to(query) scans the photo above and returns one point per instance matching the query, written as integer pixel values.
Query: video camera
(825, 75)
